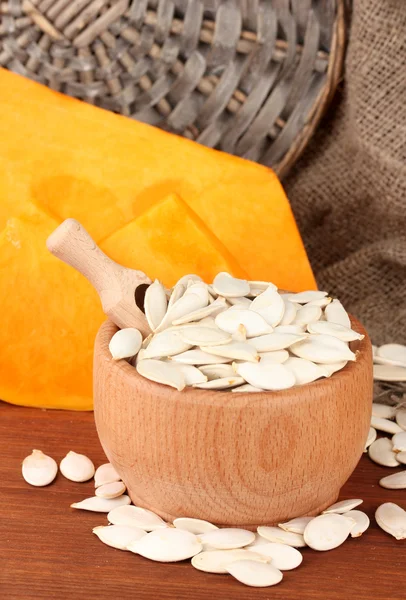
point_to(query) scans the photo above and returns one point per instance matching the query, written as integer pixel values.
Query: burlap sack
(348, 191)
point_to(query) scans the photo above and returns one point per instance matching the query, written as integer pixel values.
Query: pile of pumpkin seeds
(238, 335)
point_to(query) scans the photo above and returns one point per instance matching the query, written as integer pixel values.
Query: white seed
(339, 331)
(38, 469)
(267, 376)
(161, 372)
(134, 516)
(392, 519)
(204, 336)
(167, 545)
(307, 314)
(275, 534)
(111, 490)
(370, 439)
(199, 289)
(202, 313)
(289, 313)
(254, 574)
(276, 341)
(217, 371)
(270, 306)
(230, 287)
(77, 467)
(327, 531)
(155, 304)
(296, 329)
(304, 370)
(334, 367)
(118, 536)
(259, 540)
(381, 452)
(401, 418)
(246, 388)
(240, 335)
(278, 356)
(383, 411)
(393, 352)
(220, 384)
(322, 349)
(241, 301)
(322, 302)
(192, 374)
(228, 538)
(125, 343)
(284, 558)
(297, 525)
(397, 481)
(336, 313)
(343, 506)
(198, 357)
(196, 526)
(385, 425)
(104, 505)
(105, 474)
(176, 294)
(234, 351)
(400, 457)
(305, 297)
(215, 561)
(166, 343)
(186, 279)
(187, 304)
(399, 441)
(231, 319)
(361, 522)
(389, 373)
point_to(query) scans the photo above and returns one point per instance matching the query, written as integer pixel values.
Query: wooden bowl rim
(121, 368)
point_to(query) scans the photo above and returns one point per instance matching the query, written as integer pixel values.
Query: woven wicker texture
(249, 77)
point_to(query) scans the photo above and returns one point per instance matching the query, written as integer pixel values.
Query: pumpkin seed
(389, 373)
(304, 370)
(393, 352)
(220, 384)
(336, 313)
(77, 467)
(161, 372)
(381, 452)
(343, 506)
(196, 526)
(307, 314)
(396, 481)
(322, 349)
(383, 411)
(401, 418)
(204, 336)
(370, 439)
(186, 304)
(202, 313)
(155, 304)
(118, 536)
(166, 343)
(275, 534)
(111, 490)
(275, 341)
(334, 367)
(305, 297)
(167, 545)
(215, 561)
(38, 469)
(192, 374)
(198, 357)
(217, 371)
(246, 388)
(200, 289)
(385, 425)
(297, 525)
(230, 287)
(186, 279)
(392, 519)
(105, 474)
(267, 376)
(231, 319)
(270, 306)
(284, 558)
(176, 294)
(400, 457)
(134, 516)
(360, 522)
(322, 302)
(104, 505)
(254, 574)
(399, 441)
(125, 343)
(241, 301)
(277, 356)
(327, 531)
(227, 538)
(289, 312)
(234, 351)
(338, 331)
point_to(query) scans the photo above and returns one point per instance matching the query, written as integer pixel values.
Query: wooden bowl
(233, 459)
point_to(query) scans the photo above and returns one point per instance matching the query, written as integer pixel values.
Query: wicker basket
(249, 77)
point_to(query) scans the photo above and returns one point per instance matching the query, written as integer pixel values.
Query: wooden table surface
(47, 550)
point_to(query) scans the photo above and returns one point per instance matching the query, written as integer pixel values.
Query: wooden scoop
(115, 284)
